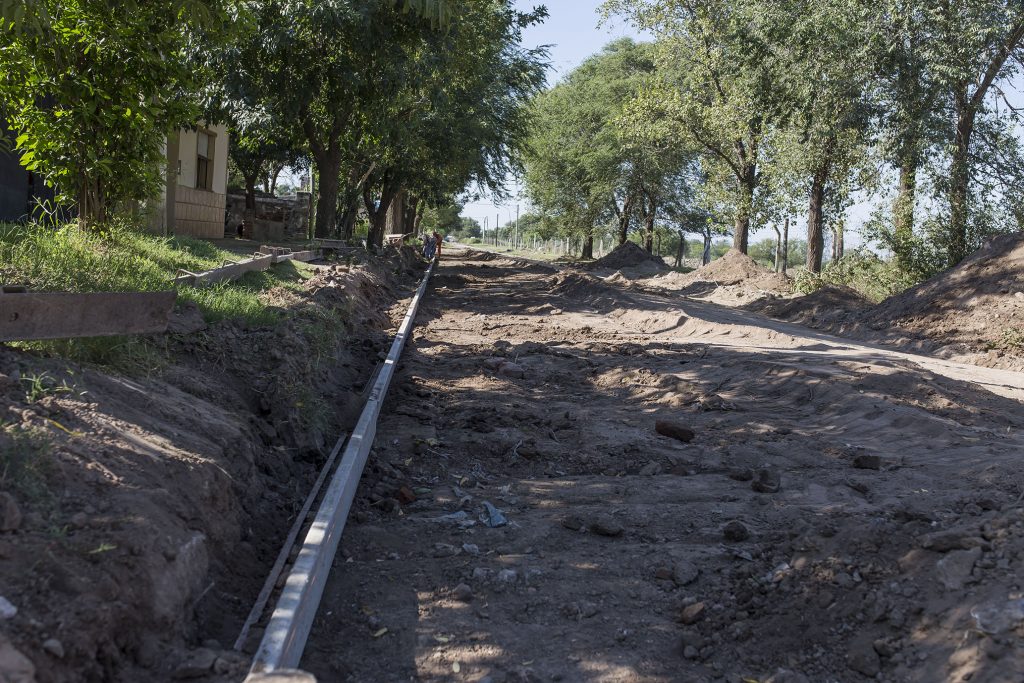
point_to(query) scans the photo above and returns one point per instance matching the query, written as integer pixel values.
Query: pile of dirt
(829, 305)
(140, 515)
(629, 256)
(976, 305)
(733, 279)
(576, 285)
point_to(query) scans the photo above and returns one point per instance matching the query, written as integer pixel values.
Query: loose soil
(973, 312)
(630, 258)
(140, 515)
(733, 279)
(820, 509)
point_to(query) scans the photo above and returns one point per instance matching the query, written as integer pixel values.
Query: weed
(1011, 340)
(25, 463)
(42, 385)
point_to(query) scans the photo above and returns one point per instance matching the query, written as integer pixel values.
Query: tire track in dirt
(629, 556)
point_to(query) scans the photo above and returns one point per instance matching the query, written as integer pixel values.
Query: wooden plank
(304, 255)
(231, 271)
(62, 315)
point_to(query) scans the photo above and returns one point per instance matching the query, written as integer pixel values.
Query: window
(204, 161)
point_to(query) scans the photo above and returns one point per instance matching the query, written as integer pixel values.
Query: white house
(194, 201)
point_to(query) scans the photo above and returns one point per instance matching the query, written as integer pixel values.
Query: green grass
(25, 462)
(121, 258)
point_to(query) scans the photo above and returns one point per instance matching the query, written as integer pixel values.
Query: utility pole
(497, 222)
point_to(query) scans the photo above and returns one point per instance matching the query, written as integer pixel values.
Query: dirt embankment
(734, 278)
(973, 312)
(139, 515)
(631, 260)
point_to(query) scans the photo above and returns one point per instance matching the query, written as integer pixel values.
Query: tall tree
(717, 85)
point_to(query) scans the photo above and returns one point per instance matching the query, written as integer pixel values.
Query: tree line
(398, 105)
(742, 114)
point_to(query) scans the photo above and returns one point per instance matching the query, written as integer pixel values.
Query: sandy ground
(838, 513)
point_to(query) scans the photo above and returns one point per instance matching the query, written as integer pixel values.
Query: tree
(92, 90)
(586, 167)
(716, 87)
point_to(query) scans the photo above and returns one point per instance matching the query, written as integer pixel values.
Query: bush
(861, 270)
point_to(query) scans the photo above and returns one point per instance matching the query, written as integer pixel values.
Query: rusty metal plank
(231, 271)
(62, 315)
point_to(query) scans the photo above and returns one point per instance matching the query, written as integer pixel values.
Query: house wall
(198, 213)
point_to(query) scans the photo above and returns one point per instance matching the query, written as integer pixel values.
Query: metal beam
(285, 637)
(60, 315)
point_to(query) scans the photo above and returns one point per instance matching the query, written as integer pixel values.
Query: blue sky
(572, 34)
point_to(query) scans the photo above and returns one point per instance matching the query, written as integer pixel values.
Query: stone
(674, 430)
(691, 614)
(690, 652)
(196, 664)
(867, 462)
(962, 538)
(766, 480)
(14, 666)
(651, 469)
(863, 659)
(954, 569)
(54, 647)
(7, 609)
(463, 593)
(741, 474)
(405, 496)
(507, 576)
(10, 513)
(606, 525)
(512, 371)
(684, 573)
(736, 531)
(573, 522)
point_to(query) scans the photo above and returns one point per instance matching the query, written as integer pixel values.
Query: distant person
(428, 246)
(438, 241)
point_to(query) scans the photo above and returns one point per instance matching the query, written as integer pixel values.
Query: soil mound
(737, 268)
(576, 285)
(629, 255)
(978, 303)
(830, 304)
(732, 279)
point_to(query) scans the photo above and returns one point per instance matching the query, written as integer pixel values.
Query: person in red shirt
(438, 240)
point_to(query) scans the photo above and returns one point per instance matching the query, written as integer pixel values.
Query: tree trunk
(588, 247)
(903, 206)
(249, 219)
(778, 249)
(328, 168)
(785, 246)
(650, 214)
(623, 215)
(347, 222)
(396, 215)
(815, 235)
(959, 182)
(681, 250)
(705, 257)
(838, 240)
(275, 172)
(741, 224)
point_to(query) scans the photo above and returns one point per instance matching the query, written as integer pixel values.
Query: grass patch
(1011, 340)
(25, 462)
(120, 258)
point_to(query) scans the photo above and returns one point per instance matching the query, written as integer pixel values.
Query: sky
(572, 34)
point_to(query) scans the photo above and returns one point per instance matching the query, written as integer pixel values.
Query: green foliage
(25, 462)
(1011, 340)
(91, 88)
(861, 270)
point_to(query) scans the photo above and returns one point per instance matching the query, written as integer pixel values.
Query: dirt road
(838, 513)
